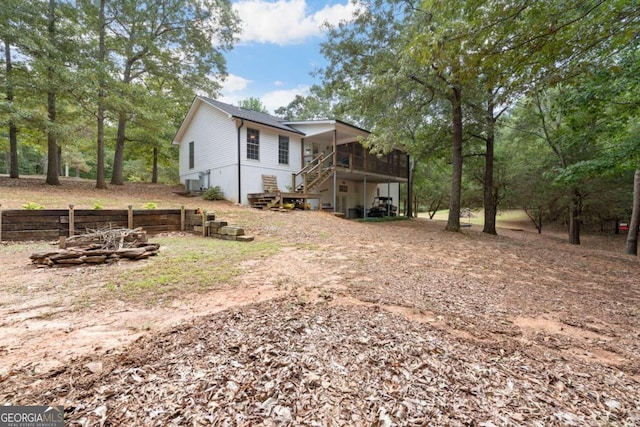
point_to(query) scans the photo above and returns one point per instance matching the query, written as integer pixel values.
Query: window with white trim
(191, 155)
(253, 144)
(283, 150)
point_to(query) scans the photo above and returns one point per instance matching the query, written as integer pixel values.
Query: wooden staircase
(264, 201)
(305, 181)
(314, 174)
(271, 195)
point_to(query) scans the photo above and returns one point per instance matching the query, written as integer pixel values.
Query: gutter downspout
(239, 167)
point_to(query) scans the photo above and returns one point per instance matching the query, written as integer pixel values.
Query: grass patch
(7, 248)
(384, 219)
(504, 217)
(187, 264)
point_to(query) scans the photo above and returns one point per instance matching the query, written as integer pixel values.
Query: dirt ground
(350, 323)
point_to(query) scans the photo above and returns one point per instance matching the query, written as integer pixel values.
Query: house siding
(215, 151)
(227, 179)
(252, 170)
(214, 135)
(311, 129)
(214, 129)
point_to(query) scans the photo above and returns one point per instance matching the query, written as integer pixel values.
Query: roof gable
(250, 115)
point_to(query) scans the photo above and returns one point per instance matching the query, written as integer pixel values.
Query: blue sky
(279, 48)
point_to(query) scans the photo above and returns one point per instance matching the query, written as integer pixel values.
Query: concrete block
(231, 231)
(215, 224)
(224, 237)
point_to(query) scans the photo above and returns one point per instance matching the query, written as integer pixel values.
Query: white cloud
(237, 89)
(234, 83)
(281, 98)
(286, 21)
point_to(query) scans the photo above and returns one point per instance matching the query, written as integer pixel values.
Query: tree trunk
(14, 170)
(154, 169)
(412, 168)
(59, 157)
(535, 215)
(117, 177)
(102, 52)
(490, 200)
(632, 236)
(52, 146)
(101, 182)
(575, 211)
(539, 224)
(453, 222)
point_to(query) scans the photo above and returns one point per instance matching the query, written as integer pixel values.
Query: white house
(318, 161)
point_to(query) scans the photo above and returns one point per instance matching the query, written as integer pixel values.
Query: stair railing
(311, 170)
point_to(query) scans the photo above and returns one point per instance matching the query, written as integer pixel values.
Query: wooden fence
(51, 224)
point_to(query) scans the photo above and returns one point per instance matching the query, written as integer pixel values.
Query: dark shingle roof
(250, 115)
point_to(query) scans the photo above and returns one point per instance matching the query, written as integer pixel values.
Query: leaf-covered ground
(349, 323)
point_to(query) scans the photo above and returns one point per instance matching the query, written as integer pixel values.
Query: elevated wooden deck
(279, 200)
(272, 197)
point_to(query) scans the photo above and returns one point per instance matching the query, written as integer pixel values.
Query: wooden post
(335, 148)
(182, 218)
(130, 217)
(364, 192)
(72, 222)
(204, 223)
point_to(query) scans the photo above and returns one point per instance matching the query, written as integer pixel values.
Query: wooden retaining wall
(50, 224)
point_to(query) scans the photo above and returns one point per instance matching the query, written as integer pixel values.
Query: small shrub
(213, 193)
(31, 206)
(98, 206)
(135, 178)
(150, 205)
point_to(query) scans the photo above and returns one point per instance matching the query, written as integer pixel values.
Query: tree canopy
(129, 66)
(426, 73)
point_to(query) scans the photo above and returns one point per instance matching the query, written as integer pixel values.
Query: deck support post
(389, 195)
(335, 170)
(335, 190)
(364, 192)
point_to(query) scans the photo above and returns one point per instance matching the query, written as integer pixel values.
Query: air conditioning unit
(192, 185)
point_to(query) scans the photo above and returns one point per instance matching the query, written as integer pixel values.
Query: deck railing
(307, 176)
(354, 157)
